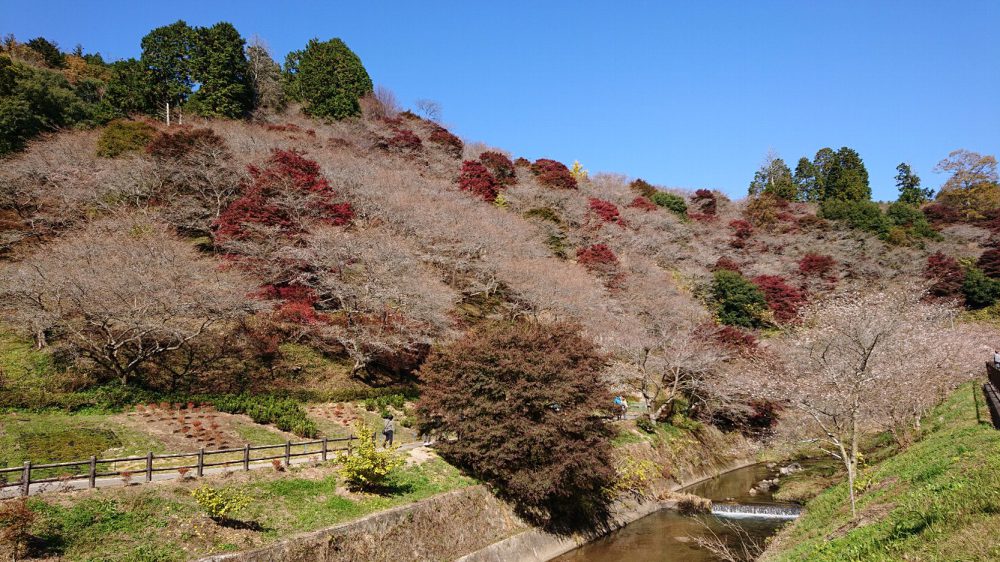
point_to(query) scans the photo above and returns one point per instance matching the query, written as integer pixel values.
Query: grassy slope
(162, 522)
(937, 500)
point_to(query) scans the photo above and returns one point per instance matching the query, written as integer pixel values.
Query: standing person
(996, 359)
(624, 407)
(618, 406)
(388, 428)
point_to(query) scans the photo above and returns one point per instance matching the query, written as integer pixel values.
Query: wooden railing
(146, 466)
(992, 392)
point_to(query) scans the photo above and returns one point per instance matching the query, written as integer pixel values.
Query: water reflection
(667, 535)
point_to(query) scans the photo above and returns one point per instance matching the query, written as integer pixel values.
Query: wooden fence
(992, 391)
(146, 466)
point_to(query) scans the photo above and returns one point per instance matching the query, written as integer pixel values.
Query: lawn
(937, 500)
(162, 521)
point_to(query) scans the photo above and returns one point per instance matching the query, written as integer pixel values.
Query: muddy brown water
(669, 536)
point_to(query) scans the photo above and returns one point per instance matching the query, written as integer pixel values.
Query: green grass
(937, 500)
(149, 523)
(60, 437)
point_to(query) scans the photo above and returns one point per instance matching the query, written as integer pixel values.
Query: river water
(669, 536)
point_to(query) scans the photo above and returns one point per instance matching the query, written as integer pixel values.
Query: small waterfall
(757, 511)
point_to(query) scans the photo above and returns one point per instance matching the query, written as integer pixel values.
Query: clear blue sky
(686, 94)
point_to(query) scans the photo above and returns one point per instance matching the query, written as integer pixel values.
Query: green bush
(120, 137)
(366, 468)
(863, 215)
(645, 424)
(738, 302)
(670, 201)
(381, 403)
(980, 291)
(221, 504)
(283, 413)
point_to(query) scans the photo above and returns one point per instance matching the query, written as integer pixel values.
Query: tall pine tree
(219, 66)
(908, 183)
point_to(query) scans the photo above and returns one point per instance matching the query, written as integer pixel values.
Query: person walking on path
(387, 430)
(996, 359)
(624, 408)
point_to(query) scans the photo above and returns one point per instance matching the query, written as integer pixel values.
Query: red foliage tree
(405, 141)
(600, 260)
(451, 143)
(553, 174)
(939, 214)
(500, 166)
(642, 204)
(726, 263)
(526, 401)
(741, 232)
(989, 262)
(734, 338)
(178, 144)
(947, 274)
(288, 189)
(605, 210)
(783, 299)
(476, 179)
(706, 202)
(816, 265)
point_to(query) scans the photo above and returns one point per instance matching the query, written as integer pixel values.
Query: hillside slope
(936, 500)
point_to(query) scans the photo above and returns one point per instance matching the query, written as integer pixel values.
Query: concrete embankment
(469, 525)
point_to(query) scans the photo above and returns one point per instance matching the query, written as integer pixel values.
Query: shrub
(642, 204)
(980, 291)
(634, 476)
(742, 230)
(706, 202)
(365, 467)
(451, 143)
(283, 413)
(221, 504)
(645, 424)
(911, 220)
(670, 201)
(382, 402)
(597, 258)
(763, 211)
(16, 519)
(862, 215)
(816, 265)
(289, 187)
(579, 174)
(738, 302)
(940, 214)
(476, 179)
(404, 140)
(522, 162)
(783, 299)
(726, 263)
(947, 275)
(553, 174)
(500, 166)
(172, 146)
(734, 338)
(544, 213)
(605, 210)
(527, 403)
(120, 137)
(989, 263)
(643, 188)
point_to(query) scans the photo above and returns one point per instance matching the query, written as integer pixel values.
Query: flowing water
(669, 536)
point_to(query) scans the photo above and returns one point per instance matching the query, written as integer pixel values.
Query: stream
(669, 536)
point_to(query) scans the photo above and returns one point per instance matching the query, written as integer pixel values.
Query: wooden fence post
(26, 479)
(149, 466)
(288, 453)
(201, 462)
(350, 442)
(324, 449)
(93, 472)
(246, 457)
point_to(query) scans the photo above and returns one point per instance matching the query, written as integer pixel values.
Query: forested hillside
(293, 231)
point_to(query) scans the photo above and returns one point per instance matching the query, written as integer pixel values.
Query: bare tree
(430, 108)
(122, 291)
(855, 355)
(265, 78)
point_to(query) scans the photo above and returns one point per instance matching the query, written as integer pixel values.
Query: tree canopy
(328, 78)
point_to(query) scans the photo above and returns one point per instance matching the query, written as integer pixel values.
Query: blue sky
(685, 94)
